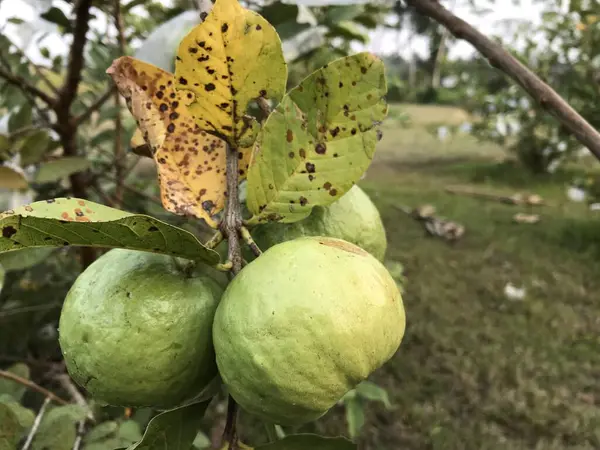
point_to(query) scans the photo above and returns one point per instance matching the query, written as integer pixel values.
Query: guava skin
(353, 218)
(134, 331)
(303, 324)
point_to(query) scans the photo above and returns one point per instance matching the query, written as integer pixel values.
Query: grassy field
(478, 370)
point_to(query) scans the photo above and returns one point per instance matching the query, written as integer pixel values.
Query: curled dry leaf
(191, 162)
(230, 59)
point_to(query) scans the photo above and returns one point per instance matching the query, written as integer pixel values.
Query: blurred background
(491, 209)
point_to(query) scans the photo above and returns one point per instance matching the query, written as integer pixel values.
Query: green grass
(477, 370)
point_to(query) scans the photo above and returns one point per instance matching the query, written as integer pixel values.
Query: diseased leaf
(319, 140)
(191, 162)
(55, 170)
(173, 430)
(138, 144)
(12, 388)
(227, 61)
(309, 441)
(72, 221)
(12, 178)
(58, 428)
(9, 428)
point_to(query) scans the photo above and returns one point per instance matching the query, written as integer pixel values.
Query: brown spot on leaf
(160, 95)
(310, 167)
(333, 192)
(363, 70)
(182, 81)
(163, 107)
(209, 87)
(171, 127)
(258, 27)
(353, 131)
(302, 153)
(303, 201)
(8, 231)
(263, 93)
(224, 28)
(321, 148)
(289, 135)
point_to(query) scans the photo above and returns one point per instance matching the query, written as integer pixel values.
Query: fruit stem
(230, 433)
(230, 227)
(232, 219)
(215, 240)
(249, 241)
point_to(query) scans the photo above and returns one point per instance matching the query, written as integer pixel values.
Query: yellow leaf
(138, 144)
(191, 162)
(227, 61)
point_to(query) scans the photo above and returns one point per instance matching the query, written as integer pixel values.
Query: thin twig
(543, 94)
(25, 85)
(215, 240)
(36, 424)
(250, 242)
(67, 384)
(100, 101)
(30, 384)
(119, 167)
(230, 432)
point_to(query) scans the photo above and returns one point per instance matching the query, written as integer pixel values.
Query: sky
(382, 41)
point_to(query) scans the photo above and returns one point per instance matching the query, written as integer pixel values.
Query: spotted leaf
(231, 58)
(71, 221)
(191, 163)
(319, 140)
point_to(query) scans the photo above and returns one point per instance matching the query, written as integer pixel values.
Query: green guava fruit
(303, 324)
(136, 331)
(353, 218)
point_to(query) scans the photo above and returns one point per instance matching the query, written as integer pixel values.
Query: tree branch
(30, 384)
(76, 57)
(25, 85)
(543, 94)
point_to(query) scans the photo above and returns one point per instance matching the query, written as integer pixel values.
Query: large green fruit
(135, 331)
(353, 218)
(303, 324)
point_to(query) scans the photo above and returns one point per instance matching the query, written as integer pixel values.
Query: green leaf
(201, 441)
(58, 428)
(309, 441)
(12, 388)
(12, 178)
(24, 259)
(72, 221)
(173, 430)
(102, 431)
(129, 431)
(55, 15)
(33, 147)
(25, 416)
(20, 118)
(9, 428)
(4, 147)
(355, 416)
(319, 140)
(370, 391)
(60, 168)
